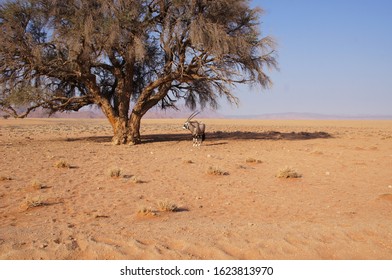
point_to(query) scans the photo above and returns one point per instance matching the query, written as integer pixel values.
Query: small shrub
(288, 173)
(115, 172)
(37, 185)
(165, 206)
(216, 171)
(253, 160)
(136, 180)
(146, 212)
(62, 164)
(5, 178)
(33, 202)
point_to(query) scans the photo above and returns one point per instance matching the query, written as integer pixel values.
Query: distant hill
(310, 116)
(210, 114)
(82, 114)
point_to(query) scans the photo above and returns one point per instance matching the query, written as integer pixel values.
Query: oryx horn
(194, 114)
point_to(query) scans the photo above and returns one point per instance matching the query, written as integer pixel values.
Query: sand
(170, 200)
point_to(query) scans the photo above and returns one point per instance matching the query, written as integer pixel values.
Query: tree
(127, 56)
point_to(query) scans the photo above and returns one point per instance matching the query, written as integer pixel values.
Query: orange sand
(339, 209)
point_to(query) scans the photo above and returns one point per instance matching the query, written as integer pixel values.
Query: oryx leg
(198, 140)
(194, 140)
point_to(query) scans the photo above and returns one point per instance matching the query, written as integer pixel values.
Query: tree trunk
(121, 131)
(140, 109)
(134, 128)
(118, 123)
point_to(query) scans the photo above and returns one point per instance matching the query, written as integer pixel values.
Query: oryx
(196, 128)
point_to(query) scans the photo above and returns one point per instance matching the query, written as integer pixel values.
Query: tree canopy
(127, 56)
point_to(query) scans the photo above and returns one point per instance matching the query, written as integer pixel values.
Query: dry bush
(288, 172)
(252, 160)
(37, 185)
(32, 202)
(5, 178)
(114, 172)
(62, 164)
(146, 211)
(188, 161)
(166, 206)
(216, 171)
(136, 180)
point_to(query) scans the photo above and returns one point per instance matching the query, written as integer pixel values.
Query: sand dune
(59, 201)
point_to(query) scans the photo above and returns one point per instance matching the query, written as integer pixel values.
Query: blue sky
(335, 57)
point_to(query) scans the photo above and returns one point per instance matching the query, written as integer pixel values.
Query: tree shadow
(218, 135)
(96, 139)
(238, 135)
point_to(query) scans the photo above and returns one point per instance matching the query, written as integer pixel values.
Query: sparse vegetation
(115, 172)
(288, 172)
(62, 164)
(216, 171)
(37, 185)
(136, 180)
(253, 160)
(5, 178)
(147, 212)
(33, 202)
(166, 206)
(163, 206)
(77, 202)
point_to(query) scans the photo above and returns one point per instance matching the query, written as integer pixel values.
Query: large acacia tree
(127, 56)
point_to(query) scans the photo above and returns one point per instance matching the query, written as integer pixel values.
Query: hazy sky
(335, 57)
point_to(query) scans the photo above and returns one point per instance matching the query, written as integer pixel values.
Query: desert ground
(67, 193)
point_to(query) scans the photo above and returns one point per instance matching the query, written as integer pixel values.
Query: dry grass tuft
(62, 164)
(166, 206)
(146, 212)
(136, 180)
(216, 171)
(33, 202)
(253, 160)
(37, 185)
(5, 178)
(115, 172)
(288, 172)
